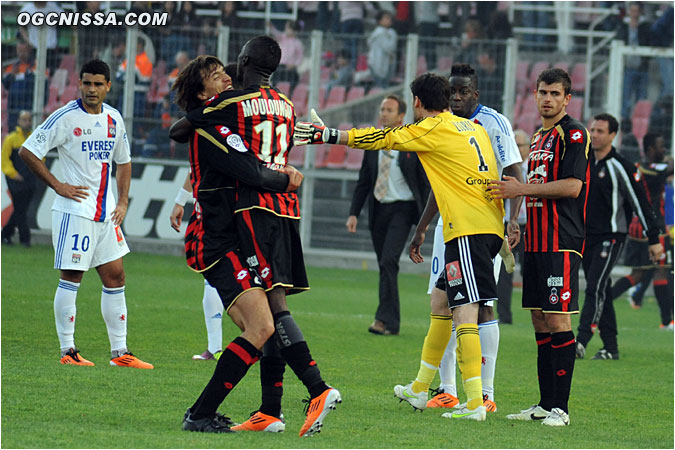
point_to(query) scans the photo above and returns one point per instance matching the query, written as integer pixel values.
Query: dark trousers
(21, 198)
(600, 257)
(389, 230)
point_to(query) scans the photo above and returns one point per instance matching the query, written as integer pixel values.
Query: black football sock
(664, 297)
(562, 359)
(545, 370)
(295, 351)
(233, 364)
(622, 285)
(272, 367)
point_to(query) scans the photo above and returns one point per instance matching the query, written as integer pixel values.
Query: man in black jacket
(396, 188)
(613, 196)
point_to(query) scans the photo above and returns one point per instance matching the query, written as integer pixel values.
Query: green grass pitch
(614, 404)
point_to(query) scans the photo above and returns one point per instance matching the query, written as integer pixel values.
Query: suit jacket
(414, 175)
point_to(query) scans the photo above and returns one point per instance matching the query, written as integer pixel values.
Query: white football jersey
(501, 135)
(87, 145)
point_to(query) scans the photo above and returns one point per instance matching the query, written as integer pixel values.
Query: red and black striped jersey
(218, 159)
(556, 153)
(652, 177)
(265, 119)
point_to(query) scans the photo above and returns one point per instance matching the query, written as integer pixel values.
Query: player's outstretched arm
(316, 132)
(38, 167)
(181, 130)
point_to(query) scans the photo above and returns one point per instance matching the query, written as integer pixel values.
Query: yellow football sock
(469, 361)
(440, 330)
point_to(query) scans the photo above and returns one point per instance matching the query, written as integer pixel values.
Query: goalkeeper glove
(314, 132)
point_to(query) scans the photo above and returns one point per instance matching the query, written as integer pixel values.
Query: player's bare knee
(277, 300)
(486, 314)
(74, 276)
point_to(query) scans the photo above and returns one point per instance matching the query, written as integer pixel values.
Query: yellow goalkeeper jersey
(458, 159)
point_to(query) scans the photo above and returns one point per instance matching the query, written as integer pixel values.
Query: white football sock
(114, 310)
(65, 312)
(447, 370)
(213, 316)
(489, 344)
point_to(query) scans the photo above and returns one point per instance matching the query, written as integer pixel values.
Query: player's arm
(430, 211)
(236, 161)
(512, 227)
(39, 168)
(183, 196)
(405, 138)
(123, 178)
(181, 130)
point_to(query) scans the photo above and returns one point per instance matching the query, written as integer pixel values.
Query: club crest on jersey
(76, 258)
(553, 298)
(601, 173)
(453, 274)
(234, 141)
(549, 143)
(577, 136)
(112, 127)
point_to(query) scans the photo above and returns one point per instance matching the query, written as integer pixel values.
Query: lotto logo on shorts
(76, 257)
(565, 296)
(453, 273)
(265, 273)
(242, 275)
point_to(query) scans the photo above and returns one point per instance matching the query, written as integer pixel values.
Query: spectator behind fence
(181, 60)
(630, 149)
(29, 33)
(113, 55)
(426, 18)
(342, 74)
(292, 53)
(382, 50)
(351, 22)
(173, 37)
(634, 31)
(159, 145)
(143, 78)
(470, 48)
(661, 118)
(19, 80)
(662, 36)
(20, 181)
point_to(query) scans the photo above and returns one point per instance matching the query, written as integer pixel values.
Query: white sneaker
(556, 418)
(466, 413)
(418, 401)
(534, 412)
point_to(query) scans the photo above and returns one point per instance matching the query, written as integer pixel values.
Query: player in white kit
(464, 103)
(88, 135)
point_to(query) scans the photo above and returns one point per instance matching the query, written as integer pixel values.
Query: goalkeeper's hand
(314, 132)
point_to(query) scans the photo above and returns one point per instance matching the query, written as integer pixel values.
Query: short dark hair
(465, 70)
(401, 104)
(96, 67)
(190, 81)
(381, 14)
(433, 91)
(649, 140)
(264, 53)
(555, 75)
(610, 119)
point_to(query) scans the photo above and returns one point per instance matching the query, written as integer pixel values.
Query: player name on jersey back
(265, 106)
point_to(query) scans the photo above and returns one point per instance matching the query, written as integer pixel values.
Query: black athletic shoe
(604, 354)
(213, 424)
(219, 417)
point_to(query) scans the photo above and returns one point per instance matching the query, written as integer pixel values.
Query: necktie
(382, 181)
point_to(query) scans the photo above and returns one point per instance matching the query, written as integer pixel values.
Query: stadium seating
(444, 63)
(421, 65)
(578, 76)
(535, 70)
(70, 92)
(354, 158)
(296, 157)
(521, 76)
(576, 107)
(68, 63)
(284, 87)
(361, 62)
(562, 65)
(322, 97)
(335, 157)
(299, 98)
(320, 152)
(336, 97)
(355, 92)
(642, 109)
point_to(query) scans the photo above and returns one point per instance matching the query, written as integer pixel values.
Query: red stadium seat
(322, 97)
(578, 76)
(68, 63)
(335, 157)
(355, 92)
(296, 157)
(421, 65)
(529, 105)
(521, 76)
(284, 87)
(299, 99)
(536, 69)
(576, 107)
(361, 62)
(374, 91)
(444, 63)
(562, 65)
(336, 97)
(640, 126)
(320, 152)
(59, 80)
(642, 109)
(354, 158)
(70, 93)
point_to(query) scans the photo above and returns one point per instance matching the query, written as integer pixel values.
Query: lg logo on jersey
(79, 132)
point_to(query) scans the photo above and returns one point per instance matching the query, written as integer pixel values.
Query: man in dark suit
(396, 188)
